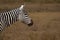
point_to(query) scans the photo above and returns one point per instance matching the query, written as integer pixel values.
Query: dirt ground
(46, 27)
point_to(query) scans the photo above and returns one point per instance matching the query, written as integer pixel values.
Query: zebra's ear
(22, 7)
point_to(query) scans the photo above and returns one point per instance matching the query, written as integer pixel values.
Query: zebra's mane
(5, 11)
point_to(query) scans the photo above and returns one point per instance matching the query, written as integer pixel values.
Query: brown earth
(46, 27)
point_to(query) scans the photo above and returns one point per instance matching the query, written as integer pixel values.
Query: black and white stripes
(10, 17)
(7, 18)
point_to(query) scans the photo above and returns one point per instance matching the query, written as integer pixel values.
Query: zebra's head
(24, 16)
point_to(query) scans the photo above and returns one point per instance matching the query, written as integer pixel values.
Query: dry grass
(46, 24)
(46, 27)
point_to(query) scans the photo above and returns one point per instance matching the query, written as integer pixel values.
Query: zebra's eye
(25, 14)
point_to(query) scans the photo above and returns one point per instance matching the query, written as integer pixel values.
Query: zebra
(9, 17)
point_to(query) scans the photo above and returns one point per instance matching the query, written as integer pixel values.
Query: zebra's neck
(10, 17)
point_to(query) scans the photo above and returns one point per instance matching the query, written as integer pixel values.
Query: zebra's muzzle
(30, 24)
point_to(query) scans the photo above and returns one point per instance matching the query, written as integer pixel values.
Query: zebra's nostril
(30, 24)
